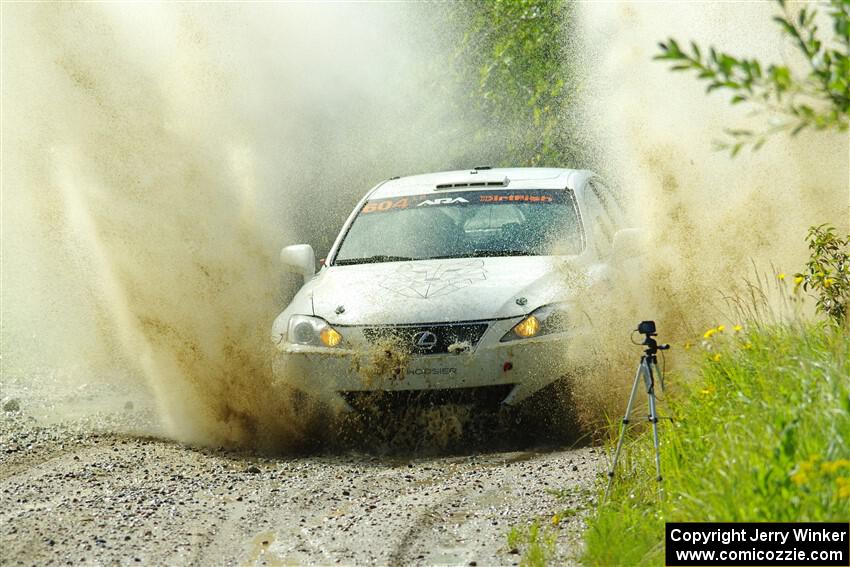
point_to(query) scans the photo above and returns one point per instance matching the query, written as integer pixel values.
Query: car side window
(599, 219)
(609, 201)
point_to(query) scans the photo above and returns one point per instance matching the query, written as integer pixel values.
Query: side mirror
(300, 259)
(628, 243)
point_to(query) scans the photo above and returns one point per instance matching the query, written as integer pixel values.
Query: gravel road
(75, 492)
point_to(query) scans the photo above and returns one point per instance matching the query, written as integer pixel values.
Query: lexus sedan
(460, 285)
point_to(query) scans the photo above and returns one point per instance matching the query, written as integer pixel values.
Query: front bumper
(519, 368)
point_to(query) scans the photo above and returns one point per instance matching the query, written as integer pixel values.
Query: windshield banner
(525, 196)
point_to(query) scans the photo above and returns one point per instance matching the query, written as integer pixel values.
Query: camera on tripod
(647, 328)
(647, 371)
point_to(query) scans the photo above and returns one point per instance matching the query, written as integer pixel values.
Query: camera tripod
(648, 370)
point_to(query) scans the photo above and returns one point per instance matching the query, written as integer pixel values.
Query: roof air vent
(474, 182)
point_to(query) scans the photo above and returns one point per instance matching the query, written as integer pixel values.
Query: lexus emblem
(425, 340)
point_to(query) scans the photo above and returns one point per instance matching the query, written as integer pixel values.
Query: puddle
(260, 553)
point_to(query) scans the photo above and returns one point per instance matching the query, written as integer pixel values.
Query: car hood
(432, 291)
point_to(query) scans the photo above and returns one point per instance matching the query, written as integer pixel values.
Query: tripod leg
(653, 417)
(623, 429)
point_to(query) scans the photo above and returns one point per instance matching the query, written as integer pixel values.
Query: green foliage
(762, 435)
(827, 274)
(820, 100)
(514, 62)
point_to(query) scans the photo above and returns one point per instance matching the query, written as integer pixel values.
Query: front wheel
(310, 421)
(550, 413)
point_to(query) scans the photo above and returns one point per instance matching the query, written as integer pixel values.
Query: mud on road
(72, 493)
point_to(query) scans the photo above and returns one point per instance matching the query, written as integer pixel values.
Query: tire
(311, 420)
(550, 414)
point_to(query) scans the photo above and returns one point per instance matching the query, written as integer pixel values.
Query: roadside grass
(760, 433)
(537, 544)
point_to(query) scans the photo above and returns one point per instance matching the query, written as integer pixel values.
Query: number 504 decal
(404, 203)
(384, 205)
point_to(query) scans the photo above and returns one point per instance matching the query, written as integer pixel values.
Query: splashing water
(710, 220)
(163, 154)
(707, 215)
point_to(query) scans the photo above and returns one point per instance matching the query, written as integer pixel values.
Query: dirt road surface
(74, 492)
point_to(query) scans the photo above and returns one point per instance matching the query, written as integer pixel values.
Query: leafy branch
(819, 100)
(827, 274)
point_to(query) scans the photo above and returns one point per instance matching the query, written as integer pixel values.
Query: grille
(431, 339)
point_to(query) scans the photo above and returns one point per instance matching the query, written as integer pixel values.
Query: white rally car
(472, 275)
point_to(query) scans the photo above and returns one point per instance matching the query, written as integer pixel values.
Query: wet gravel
(73, 492)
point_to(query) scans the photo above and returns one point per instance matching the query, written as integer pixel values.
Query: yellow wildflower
(832, 467)
(781, 276)
(716, 357)
(707, 391)
(709, 333)
(556, 519)
(737, 328)
(798, 280)
(687, 345)
(828, 467)
(721, 328)
(843, 487)
(828, 282)
(748, 345)
(799, 478)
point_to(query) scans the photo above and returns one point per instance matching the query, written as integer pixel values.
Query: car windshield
(464, 224)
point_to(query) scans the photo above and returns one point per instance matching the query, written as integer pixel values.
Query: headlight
(305, 330)
(542, 321)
